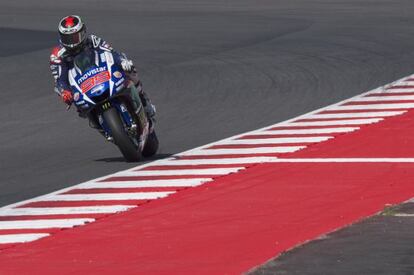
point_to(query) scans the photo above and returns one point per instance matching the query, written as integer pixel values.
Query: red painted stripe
(377, 102)
(312, 127)
(42, 217)
(388, 94)
(232, 156)
(6, 246)
(400, 87)
(83, 203)
(360, 111)
(288, 136)
(333, 119)
(122, 190)
(241, 146)
(27, 231)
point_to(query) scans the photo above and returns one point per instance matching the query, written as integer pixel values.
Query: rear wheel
(151, 146)
(125, 144)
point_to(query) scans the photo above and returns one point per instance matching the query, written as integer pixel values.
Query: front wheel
(127, 147)
(151, 146)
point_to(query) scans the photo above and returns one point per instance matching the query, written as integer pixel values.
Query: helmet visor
(73, 39)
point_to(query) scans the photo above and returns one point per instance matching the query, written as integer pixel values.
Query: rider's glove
(67, 97)
(127, 65)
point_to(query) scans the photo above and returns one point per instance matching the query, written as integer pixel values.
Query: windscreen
(85, 60)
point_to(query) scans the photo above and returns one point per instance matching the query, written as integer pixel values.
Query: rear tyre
(151, 146)
(127, 147)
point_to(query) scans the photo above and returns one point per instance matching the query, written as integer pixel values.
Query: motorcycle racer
(73, 40)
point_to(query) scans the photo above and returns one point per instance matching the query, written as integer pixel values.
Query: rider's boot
(146, 102)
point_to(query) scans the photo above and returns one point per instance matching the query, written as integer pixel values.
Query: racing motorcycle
(101, 89)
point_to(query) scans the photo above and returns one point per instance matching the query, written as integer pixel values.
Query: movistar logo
(90, 73)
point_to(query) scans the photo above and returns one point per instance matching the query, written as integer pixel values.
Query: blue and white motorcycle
(100, 87)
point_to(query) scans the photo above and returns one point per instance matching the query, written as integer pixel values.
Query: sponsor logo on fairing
(97, 89)
(94, 81)
(91, 73)
(117, 74)
(76, 96)
(119, 82)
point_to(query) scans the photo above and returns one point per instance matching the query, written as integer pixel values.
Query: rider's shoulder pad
(98, 42)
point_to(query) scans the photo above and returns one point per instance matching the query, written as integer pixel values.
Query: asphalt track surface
(212, 68)
(379, 245)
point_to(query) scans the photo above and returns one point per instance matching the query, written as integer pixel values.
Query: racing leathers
(61, 61)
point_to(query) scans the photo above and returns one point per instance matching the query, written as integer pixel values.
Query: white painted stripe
(257, 150)
(274, 140)
(307, 131)
(357, 114)
(217, 161)
(21, 238)
(334, 122)
(35, 211)
(181, 172)
(386, 98)
(143, 184)
(146, 183)
(372, 107)
(339, 160)
(391, 91)
(108, 196)
(41, 224)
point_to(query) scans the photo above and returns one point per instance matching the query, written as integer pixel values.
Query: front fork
(132, 114)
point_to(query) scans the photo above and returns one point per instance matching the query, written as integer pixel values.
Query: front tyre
(151, 146)
(127, 147)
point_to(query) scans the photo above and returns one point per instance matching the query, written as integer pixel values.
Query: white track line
(42, 224)
(392, 91)
(273, 140)
(334, 122)
(181, 172)
(143, 184)
(21, 238)
(358, 114)
(247, 160)
(109, 196)
(257, 150)
(386, 98)
(307, 131)
(35, 211)
(372, 107)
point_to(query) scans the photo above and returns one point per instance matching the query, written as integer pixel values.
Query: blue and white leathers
(97, 79)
